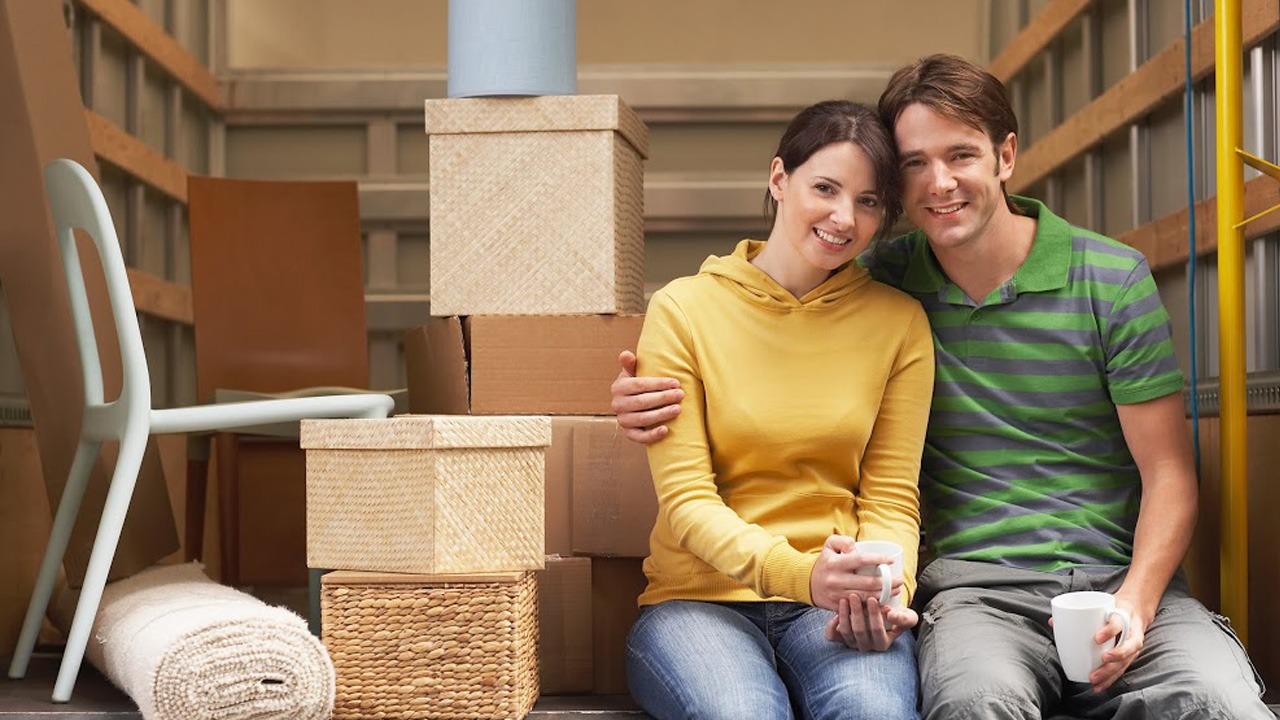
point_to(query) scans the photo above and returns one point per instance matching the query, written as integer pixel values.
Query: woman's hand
(866, 625)
(835, 575)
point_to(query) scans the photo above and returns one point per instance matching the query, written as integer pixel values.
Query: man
(1057, 456)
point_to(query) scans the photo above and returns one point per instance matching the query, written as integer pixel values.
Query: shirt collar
(1045, 268)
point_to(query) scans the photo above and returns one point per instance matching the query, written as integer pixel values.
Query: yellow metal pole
(1231, 341)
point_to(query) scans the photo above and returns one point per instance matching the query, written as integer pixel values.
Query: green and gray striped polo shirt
(1025, 463)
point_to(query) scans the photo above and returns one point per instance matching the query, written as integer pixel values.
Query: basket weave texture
(426, 494)
(538, 208)
(435, 647)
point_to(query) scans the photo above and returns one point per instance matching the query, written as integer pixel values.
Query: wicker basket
(426, 493)
(442, 647)
(537, 205)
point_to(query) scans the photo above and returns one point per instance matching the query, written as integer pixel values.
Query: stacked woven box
(537, 265)
(433, 526)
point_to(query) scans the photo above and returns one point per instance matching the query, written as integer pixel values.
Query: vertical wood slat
(151, 39)
(1047, 25)
(135, 87)
(381, 244)
(1155, 81)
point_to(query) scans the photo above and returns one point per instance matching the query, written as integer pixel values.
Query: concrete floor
(95, 698)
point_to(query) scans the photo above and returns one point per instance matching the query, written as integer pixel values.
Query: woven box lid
(364, 577)
(416, 432)
(548, 113)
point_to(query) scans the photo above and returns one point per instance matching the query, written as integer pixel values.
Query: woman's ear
(777, 179)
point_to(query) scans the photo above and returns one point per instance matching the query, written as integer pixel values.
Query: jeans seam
(668, 686)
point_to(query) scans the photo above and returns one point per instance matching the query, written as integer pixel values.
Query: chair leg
(60, 535)
(227, 448)
(197, 486)
(132, 447)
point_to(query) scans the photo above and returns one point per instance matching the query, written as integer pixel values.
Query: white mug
(1077, 617)
(886, 571)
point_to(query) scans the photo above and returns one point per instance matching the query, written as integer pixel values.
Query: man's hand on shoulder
(643, 404)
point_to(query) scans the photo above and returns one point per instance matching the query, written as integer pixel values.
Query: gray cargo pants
(986, 651)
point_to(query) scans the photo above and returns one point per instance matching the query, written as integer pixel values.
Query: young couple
(785, 393)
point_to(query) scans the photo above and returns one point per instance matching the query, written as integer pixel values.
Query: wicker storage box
(461, 647)
(426, 493)
(537, 205)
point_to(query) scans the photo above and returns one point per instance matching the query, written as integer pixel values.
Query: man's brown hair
(955, 89)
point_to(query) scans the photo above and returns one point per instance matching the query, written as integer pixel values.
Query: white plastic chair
(77, 202)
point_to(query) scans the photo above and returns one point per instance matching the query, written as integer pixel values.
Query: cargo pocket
(1224, 623)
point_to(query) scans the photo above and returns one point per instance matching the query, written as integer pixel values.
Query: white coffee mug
(886, 571)
(1077, 617)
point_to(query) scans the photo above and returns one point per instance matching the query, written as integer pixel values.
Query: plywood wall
(317, 34)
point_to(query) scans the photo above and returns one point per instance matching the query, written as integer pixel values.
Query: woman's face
(828, 207)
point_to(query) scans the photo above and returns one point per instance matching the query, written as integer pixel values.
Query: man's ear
(1006, 156)
(777, 179)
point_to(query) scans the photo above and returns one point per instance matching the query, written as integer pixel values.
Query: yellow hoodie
(801, 417)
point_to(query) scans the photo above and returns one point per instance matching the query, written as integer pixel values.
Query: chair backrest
(76, 202)
(277, 285)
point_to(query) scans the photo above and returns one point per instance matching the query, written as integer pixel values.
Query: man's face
(951, 177)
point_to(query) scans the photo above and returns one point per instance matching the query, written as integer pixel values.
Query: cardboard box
(614, 504)
(559, 486)
(519, 364)
(564, 626)
(616, 583)
(426, 493)
(43, 119)
(24, 525)
(568, 174)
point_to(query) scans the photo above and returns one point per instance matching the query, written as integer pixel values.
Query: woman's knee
(703, 696)
(897, 702)
(700, 660)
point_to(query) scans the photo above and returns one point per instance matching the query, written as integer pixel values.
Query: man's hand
(643, 404)
(1118, 659)
(868, 626)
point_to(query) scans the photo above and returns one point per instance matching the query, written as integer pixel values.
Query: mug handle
(1124, 618)
(886, 590)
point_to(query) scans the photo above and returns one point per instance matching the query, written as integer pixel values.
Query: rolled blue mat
(512, 47)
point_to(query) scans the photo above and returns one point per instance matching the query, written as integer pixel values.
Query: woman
(807, 388)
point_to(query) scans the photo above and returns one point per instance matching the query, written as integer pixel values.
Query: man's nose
(941, 179)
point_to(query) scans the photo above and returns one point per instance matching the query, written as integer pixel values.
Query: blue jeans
(761, 660)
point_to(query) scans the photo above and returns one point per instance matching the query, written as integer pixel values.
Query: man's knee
(981, 693)
(1203, 695)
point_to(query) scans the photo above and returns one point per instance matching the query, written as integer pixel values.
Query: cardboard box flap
(435, 354)
(415, 432)
(548, 113)
(547, 364)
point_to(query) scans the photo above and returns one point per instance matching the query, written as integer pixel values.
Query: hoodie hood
(754, 284)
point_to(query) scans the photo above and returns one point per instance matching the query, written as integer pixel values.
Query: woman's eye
(870, 202)
(824, 188)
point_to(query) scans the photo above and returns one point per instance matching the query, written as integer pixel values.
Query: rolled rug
(186, 648)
